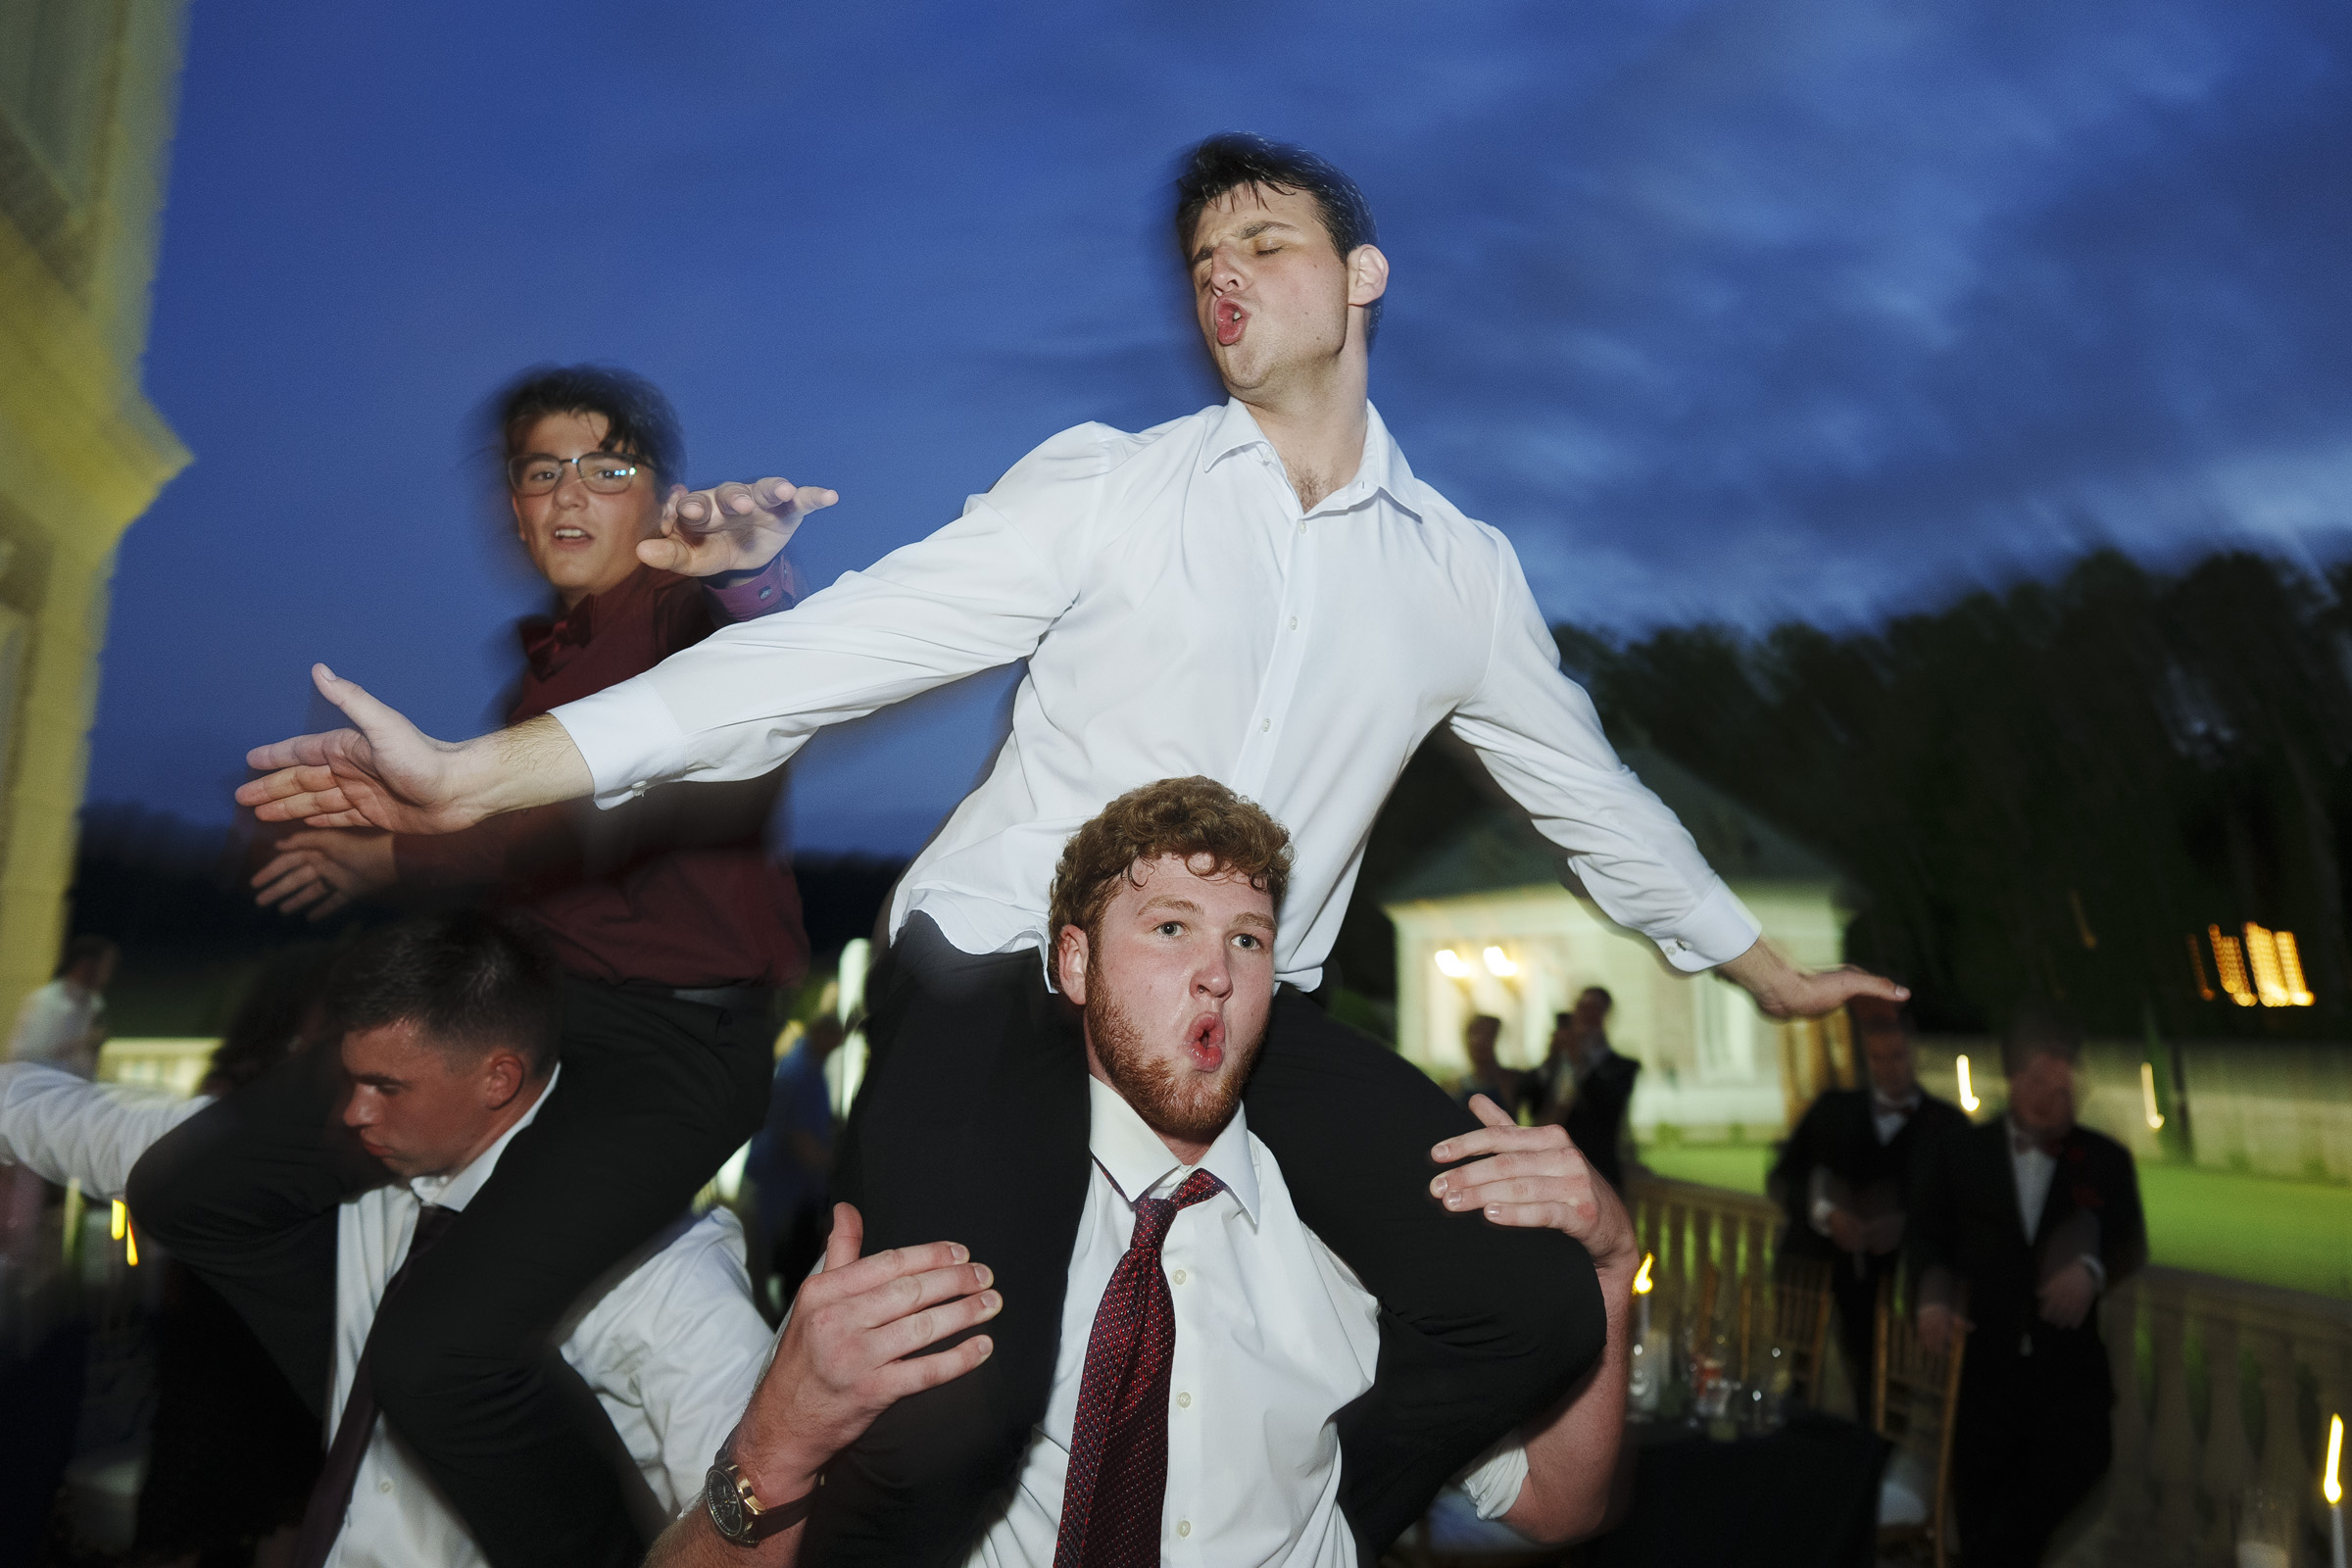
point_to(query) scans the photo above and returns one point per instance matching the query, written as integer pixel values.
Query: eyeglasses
(535, 473)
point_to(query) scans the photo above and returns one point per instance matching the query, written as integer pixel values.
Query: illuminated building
(1485, 925)
(88, 95)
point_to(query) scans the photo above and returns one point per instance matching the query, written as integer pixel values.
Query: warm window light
(1450, 964)
(2229, 960)
(1500, 965)
(1642, 1284)
(2196, 964)
(2290, 971)
(2148, 1095)
(1968, 1099)
(2332, 1485)
(2262, 958)
(121, 1221)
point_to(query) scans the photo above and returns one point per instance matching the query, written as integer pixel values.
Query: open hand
(2067, 1295)
(850, 1352)
(1784, 991)
(322, 869)
(1534, 1177)
(729, 527)
(384, 772)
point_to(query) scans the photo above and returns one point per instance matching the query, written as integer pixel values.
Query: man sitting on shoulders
(1207, 1336)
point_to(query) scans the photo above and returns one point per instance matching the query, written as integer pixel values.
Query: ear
(515, 505)
(1367, 275)
(1070, 953)
(503, 1074)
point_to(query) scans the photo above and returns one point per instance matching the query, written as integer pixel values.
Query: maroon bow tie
(545, 639)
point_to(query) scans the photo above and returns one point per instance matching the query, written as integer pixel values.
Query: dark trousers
(655, 1093)
(973, 1127)
(1857, 1297)
(2030, 1442)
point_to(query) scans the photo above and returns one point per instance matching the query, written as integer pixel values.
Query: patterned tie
(1118, 1476)
(330, 1497)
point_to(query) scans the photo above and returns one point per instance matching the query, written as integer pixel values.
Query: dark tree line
(2048, 789)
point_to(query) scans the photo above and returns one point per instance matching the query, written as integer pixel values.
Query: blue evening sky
(1729, 309)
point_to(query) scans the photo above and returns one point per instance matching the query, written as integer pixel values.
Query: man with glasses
(674, 925)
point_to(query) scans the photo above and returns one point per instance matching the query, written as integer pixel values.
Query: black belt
(734, 999)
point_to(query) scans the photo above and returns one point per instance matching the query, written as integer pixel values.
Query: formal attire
(674, 923)
(62, 1023)
(1180, 613)
(1272, 1335)
(671, 1349)
(1996, 1214)
(1594, 1119)
(1856, 1150)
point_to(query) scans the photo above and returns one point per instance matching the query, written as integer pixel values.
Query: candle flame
(1450, 964)
(1968, 1099)
(121, 1221)
(1642, 1284)
(2333, 1489)
(2148, 1095)
(130, 1246)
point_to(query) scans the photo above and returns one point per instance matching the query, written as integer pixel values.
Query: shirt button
(384, 1487)
(1184, 1527)
(1179, 1276)
(1302, 525)
(1184, 1401)
(1265, 724)
(1294, 624)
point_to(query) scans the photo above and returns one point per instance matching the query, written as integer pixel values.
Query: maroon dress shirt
(677, 887)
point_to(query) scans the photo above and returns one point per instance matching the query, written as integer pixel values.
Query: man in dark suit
(2022, 1223)
(1847, 1174)
(1602, 1088)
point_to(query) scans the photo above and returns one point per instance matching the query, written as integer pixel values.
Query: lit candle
(1642, 1286)
(2333, 1489)
(1968, 1100)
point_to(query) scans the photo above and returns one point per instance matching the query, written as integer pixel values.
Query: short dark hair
(87, 947)
(2039, 1028)
(1602, 991)
(1182, 816)
(1233, 159)
(639, 422)
(470, 981)
(270, 1021)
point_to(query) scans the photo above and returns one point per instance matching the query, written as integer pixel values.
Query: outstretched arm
(69, 1129)
(1535, 1177)
(848, 1352)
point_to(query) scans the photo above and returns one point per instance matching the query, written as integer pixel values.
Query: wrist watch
(735, 1514)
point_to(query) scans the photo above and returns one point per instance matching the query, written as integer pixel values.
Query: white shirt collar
(458, 1189)
(1135, 1158)
(1383, 471)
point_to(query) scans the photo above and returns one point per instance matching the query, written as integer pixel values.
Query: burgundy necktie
(1119, 1477)
(330, 1499)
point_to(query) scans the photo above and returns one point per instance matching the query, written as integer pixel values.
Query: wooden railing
(2220, 1385)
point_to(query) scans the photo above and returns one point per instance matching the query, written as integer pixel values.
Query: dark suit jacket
(1966, 1222)
(1595, 1118)
(1877, 1178)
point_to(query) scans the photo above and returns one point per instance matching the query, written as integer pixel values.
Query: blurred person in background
(235, 1448)
(791, 1164)
(1598, 1085)
(2022, 1223)
(64, 1022)
(1847, 1176)
(443, 1035)
(1487, 1076)
(674, 923)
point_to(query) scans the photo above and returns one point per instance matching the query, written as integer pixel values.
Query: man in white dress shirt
(670, 1349)
(1262, 593)
(1208, 1440)
(64, 1022)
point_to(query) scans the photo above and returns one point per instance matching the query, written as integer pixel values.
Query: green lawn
(2294, 1234)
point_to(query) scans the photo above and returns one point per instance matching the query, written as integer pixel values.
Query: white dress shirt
(61, 1024)
(671, 1350)
(2032, 1167)
(1273, 1335)
(1181, 614)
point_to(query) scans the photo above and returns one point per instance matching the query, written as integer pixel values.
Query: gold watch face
(726, 1502)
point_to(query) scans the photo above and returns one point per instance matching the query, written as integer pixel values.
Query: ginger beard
(1189, 1093)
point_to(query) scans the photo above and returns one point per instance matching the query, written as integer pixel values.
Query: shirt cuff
(1822, 1209)
(2098, 1273)
(748, 595)
(1495, 1483)
(627, 736)
(1717, 931)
